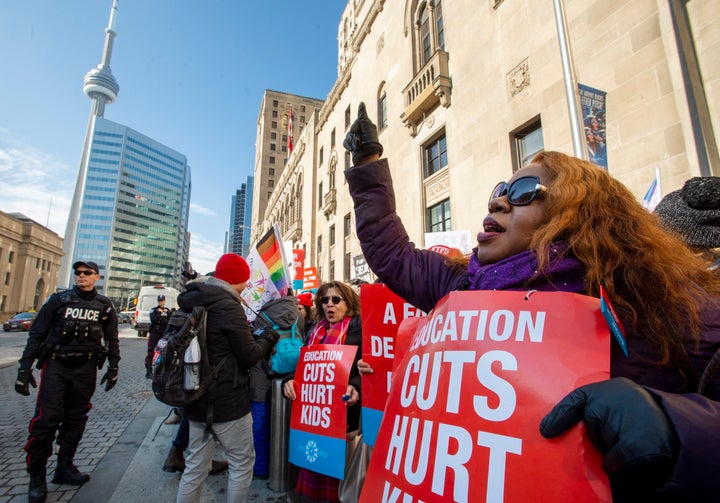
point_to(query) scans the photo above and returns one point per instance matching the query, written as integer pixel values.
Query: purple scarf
(564, 273)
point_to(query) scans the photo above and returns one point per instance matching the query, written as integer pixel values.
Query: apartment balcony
(329, 203)
(429, 88)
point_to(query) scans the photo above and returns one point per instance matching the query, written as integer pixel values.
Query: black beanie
(694, 212)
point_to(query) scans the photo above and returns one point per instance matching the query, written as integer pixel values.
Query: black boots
(67, 473)
(37, 490)
(175, 461)
(148, 373)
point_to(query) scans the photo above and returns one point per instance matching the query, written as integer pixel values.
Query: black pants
(62, 407)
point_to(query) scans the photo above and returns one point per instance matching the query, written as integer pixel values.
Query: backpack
(286, 352)
(181, 371)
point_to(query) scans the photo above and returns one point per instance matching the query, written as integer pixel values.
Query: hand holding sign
(625, 423)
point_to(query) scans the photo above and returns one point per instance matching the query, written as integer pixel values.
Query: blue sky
(191, 74)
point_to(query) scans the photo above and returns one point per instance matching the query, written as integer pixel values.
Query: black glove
(362, 139)
(25, 378)
(269, 335)
(625, 423)
(111, 376)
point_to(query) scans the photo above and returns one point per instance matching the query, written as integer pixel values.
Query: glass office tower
(134, 212)
(240, 217)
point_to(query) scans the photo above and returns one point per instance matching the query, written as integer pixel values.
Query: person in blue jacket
(563, 224)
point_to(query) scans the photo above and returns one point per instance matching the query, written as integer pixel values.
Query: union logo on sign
(311, 451)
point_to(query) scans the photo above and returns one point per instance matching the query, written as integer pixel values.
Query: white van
(147, 299)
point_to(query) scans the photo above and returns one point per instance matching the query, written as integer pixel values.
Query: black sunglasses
(521, 192)
(335, 299)
(84, 272)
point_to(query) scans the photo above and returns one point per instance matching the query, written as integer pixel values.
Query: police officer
(66, 339)
(159, 317)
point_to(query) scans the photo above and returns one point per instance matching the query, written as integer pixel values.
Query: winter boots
(37, 490)
(67, 473)
(175, 462)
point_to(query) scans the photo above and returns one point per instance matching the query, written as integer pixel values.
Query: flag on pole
(654, 193)
(269, 278)
(290, 131)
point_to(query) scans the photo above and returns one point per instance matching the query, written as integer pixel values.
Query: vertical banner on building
(298, 269)
(592, 102)
(480, 372)
(310, 279)
(361, 268)
(382, 311)
(319, 414)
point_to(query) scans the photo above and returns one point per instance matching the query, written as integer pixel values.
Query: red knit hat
(305, 299)
(232, 268)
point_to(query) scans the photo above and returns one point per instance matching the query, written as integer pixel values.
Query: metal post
(571, 89)
(279, 436)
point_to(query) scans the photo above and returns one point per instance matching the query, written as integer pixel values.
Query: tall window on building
(320, 156)
(347, 117)
(331, 239)
(382, 108)
(346, 225)
(347, 160)
(438, 217)
(435, 155)
(332, 138)
(320, 195)
(346, 267)
(319, 244)
(526, 142)
(331, 270)
(430, 30)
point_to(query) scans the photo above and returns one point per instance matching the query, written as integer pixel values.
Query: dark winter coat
(422, 278)
(228, 334)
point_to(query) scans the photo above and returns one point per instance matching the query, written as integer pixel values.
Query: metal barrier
(280, 470)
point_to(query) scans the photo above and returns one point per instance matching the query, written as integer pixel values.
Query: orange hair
(647, 272)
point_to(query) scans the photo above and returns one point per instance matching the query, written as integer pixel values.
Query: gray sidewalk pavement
(117, 449)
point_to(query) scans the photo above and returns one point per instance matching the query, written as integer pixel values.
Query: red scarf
(324, 333)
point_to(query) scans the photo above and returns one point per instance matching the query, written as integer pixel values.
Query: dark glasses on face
(521, 192)
(84, 272)
(335, 299)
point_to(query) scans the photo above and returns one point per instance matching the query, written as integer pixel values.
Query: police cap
(88, 264)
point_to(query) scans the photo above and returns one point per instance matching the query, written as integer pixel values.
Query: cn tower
(101, 87)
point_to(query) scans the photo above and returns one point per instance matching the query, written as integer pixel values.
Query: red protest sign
(310, 279)
(298, 264)
(319, 414)
(382, 311)
(480, 372)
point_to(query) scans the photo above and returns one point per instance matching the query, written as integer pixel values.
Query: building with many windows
(276, 132)
(240, 213)
(466, 92)
(29, 262)
(134, 213)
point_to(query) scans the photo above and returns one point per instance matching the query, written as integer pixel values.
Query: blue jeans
(261, 437)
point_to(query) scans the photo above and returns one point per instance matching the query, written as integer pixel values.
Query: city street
(117, 449)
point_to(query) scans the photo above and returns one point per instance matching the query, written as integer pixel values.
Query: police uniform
(159, 317)
(73, 332)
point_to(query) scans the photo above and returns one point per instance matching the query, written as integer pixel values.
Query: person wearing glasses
(72, 335)
(337, 312)
(563, 224)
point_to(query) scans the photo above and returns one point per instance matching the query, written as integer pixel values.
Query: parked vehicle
(21, 321)
(127, 317)
(147, 299)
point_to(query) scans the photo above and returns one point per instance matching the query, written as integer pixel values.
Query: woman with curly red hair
(563, 224)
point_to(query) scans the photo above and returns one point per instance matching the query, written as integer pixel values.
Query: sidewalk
(117, 449)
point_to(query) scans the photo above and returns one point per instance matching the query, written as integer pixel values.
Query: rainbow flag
(272, 254)
(269, 273)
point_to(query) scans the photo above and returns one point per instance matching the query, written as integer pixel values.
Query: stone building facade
(29, 262)
(464, 92)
